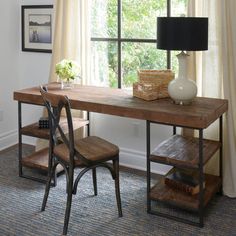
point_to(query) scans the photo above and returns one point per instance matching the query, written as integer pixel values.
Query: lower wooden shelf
(164, 193)
(39, 160)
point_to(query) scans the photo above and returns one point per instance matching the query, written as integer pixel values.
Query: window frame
(119, 40)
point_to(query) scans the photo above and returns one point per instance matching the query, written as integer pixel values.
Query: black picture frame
(36, 28)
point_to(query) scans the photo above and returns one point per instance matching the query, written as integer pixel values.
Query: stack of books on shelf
(183, 180)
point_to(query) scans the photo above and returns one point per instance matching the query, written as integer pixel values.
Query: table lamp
(182, 34)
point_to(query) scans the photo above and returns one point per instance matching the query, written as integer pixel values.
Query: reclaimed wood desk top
(200, 114)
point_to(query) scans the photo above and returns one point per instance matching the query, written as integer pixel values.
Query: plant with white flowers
(67, 69)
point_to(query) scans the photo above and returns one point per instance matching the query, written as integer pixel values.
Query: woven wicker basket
(145, 91)
(153, 84)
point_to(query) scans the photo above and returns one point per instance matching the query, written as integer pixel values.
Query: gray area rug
(20, 202)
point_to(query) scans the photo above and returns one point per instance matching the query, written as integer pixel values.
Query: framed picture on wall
(37, 28)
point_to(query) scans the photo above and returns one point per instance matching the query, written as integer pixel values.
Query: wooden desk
(199, 115)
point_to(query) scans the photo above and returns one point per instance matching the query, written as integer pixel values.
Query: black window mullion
(168, 52)
(125, 40)
(168, 7)
(104, 39)
(119, 41)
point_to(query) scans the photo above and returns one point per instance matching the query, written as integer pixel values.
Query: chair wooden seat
(93, 148)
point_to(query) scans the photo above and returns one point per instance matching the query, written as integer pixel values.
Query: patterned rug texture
(20, 202)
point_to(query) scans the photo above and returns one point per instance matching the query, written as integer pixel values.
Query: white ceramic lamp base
(182, 90)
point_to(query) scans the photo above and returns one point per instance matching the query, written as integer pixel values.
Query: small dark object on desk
(43, 123)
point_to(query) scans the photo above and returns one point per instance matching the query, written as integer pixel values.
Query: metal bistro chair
(86, 153)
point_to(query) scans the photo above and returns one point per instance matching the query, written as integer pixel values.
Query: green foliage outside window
(138, 22)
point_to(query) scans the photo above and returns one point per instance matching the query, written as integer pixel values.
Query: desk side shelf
(33, 130)
(183, 152)
(39, 160)
(161, 192)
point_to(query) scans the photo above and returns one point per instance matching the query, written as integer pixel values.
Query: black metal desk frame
(200, 168)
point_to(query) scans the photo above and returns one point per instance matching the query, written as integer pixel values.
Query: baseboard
(29, 140)
(137, 160)
(8, 139)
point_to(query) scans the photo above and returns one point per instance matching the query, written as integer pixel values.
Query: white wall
(18, 69)
(9, 79)
(24, 69)
(130, 136)
(33, 70)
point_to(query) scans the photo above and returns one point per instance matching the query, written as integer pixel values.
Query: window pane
(104, 18)
(174, 62)
(104, 64)
(139, 17)
(178, 7)
(137, 56)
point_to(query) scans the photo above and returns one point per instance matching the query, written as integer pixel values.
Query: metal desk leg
(221, 151)
(20, 147)
(148, 165)
(19, 139)
(88, 125)
(174, 130)
(201, 178)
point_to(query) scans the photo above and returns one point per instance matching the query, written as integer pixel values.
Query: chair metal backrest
(55, 104)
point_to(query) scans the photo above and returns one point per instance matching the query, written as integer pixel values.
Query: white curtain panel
(71, 41)
(228, 33)
(72, 35)
(214, 73)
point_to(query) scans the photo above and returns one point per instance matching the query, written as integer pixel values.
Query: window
(123, 39)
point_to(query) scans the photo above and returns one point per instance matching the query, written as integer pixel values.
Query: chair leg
(54, 179)
(117, 186)
(95, 182)
(69, 202)
(47, 188)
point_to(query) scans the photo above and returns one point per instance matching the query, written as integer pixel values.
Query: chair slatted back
(55, 104)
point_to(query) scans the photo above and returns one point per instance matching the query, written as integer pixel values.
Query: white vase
(182, 90)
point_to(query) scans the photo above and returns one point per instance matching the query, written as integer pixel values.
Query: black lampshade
(182, 33)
